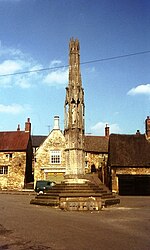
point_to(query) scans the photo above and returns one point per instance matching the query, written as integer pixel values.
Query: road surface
(30, 227)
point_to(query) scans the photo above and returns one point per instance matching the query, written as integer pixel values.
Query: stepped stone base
(77, 197)
(75, 181)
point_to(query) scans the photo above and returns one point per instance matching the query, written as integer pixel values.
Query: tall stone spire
(74, 114)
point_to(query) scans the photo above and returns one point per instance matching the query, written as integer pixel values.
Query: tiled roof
(97, 144)
(129, 150)
(37, 140)
(14, 141)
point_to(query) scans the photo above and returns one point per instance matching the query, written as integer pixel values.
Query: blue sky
(35, 34)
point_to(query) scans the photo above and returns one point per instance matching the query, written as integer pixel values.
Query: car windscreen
(42, 183)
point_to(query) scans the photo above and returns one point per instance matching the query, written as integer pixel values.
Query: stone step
(107, 195)
(55, 191)
(44, 202)
(45, 196)
(80, 195)
(110, 202)
(76, 187)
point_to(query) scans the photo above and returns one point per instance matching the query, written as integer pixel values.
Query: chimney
(138, 132)
(147, 127)
(107, 131)
(56, 122)
(28, 126)
(18, 128)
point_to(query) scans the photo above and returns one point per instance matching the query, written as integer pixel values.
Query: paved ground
(30, 227)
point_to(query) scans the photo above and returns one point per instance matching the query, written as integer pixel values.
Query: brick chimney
(18, 128)
(147, 127)
(28, 126)
(107, 131)
(56, 122)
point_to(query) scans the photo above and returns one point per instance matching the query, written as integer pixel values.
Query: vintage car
(42, 186)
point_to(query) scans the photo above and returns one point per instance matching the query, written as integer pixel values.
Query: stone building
(37, 140)
(50, 156)
(16, 158)
(96, 155)
(129, 162)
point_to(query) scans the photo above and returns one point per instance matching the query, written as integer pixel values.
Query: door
(56, 177)
(134, 184)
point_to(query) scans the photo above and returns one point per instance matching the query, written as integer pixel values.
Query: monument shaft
(74, 115)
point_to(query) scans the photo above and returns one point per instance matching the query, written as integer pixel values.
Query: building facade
(16, 158)
(50, 161)
(129, 162)
(96, 156)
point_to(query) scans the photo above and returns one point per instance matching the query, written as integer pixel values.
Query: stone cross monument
(74, 116)
(75, 192)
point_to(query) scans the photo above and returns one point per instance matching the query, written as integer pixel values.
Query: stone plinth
(75, 179)
(77, 196)
(81, 203)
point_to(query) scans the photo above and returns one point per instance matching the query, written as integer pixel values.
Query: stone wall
(16, 163)
(43, 168)
(98, 160)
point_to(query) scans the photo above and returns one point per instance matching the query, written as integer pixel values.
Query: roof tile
(14, 140)
(129, 150)
(97, 144)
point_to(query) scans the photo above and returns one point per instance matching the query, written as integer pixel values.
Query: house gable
(44, 168)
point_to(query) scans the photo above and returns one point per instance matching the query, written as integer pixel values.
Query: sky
(35, 35)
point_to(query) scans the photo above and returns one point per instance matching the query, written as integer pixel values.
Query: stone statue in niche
(74, 114)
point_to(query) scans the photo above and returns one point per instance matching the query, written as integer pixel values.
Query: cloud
(10, 67)
(13, 61)
(14, 109)
(23, 82)
(12, 52)
(26, 81)
(99, 128)
(17, 62)
(58, 77)
(55, 63)
(13, 67)
(143, 89)
(5, 82)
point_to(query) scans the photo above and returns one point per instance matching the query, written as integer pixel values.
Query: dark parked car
(42, 185)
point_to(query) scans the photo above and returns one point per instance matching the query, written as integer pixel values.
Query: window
(9, 156)
(55, 157)
(3, 169)
(86, 164)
